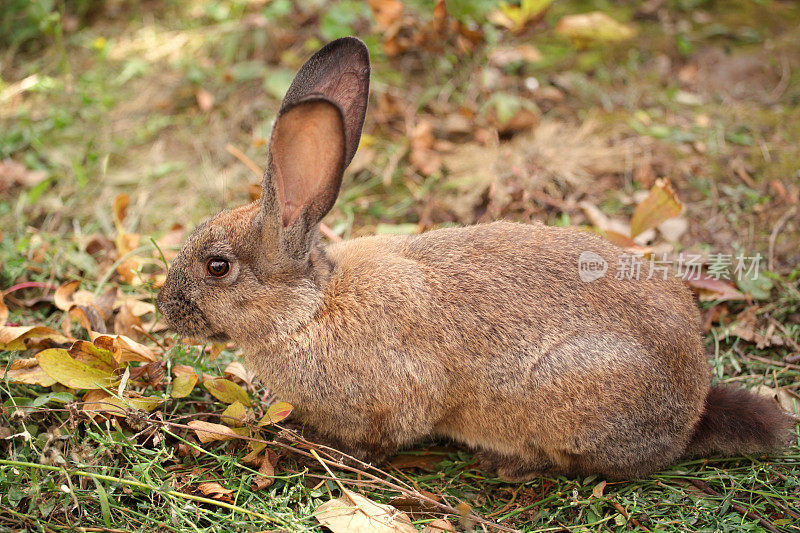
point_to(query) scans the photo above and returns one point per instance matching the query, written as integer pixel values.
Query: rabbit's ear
(339, 72)
(307, 155)
(315, 137)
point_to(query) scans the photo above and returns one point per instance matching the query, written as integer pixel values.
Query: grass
(706, 95)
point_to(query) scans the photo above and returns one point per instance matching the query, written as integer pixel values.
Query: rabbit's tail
(736, 421)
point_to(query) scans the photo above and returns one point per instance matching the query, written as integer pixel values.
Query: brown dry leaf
(119, 210)
(425, 462)
(23, 337)
(661, 204)
(63, 295)
(28, 371)
(216, 491)
(595, 27)
(99, 402)
(439, 16)
(124, 348)
(95, 357)
(710, 289)
(439, 525)
(125, 322)
(786, 398)
(210, 432)
(266, 472)
(3, 310)
(238, 371)
(503, 56)
(205, 100)
(174, 238)
(138, 307)
(416, 505)
(227, 391)
(13, 174)
(598, 489)
(87, 316)
(353, 513)
(277, 412)
(387, 12)
(422, 155)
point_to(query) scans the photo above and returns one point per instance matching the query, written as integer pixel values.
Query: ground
(123, 124)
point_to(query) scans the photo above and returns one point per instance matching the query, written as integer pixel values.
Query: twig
(238, 154)
(388, 484)
(624, 513)
(768, 361)
(746, 512)
(776, 229)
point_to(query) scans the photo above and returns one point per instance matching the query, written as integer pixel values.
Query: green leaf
(102, 496)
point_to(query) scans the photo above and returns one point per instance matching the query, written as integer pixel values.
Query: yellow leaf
(209, 432)
(276, 412)
(28, 371)
(596, 26)
(13, 337)
(59, 365)
(227, 391)
(183, 384)
(516, 18)
(234, 415)
(353, 513)
(95, 357)
(661, 204)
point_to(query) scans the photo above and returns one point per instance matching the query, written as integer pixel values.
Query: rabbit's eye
(217, 267)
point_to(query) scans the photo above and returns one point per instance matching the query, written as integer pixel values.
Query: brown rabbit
(484, 334)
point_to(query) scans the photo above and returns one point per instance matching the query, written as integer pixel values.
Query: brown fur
(483, 334)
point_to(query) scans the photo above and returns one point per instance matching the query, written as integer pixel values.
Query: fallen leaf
(661, 204)
(3, 311)
(124, 348)
(184, 383)
(63, 295)
(94, 357)
(205, 100)
(439, 526)
(416, 505)
(266, 472)
(216, 491)
(710, 289)
(99, 402)
(517, 17)
(62, 367)
(507, 55)
(16, 174)
(598, 489)
(426, 462)
(276, 413)
(15, 337)
(353, 513)
(595, 27)
(28, 371)
(234, 415)
(119, 210)
(422, 156)
(209, 432)
(227, 391)
(238, 371)
(125, 322)
(387, 12)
